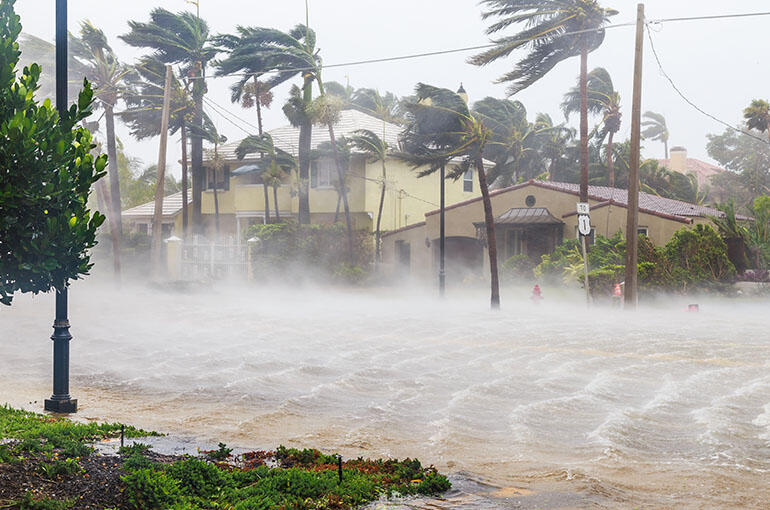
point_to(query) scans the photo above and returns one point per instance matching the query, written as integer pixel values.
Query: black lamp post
(61, 401)
(441, 267)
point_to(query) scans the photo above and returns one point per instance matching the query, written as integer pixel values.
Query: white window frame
(325, 171)
(468, 181)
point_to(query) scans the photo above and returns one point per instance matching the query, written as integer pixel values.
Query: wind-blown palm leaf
(655, 128)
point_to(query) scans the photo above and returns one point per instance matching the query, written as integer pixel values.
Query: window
(512, 243)
(468, 181)
(142, 228)
(643, 231)
(321, 173)
(223, 178)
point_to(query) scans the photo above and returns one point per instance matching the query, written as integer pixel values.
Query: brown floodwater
(547, 406)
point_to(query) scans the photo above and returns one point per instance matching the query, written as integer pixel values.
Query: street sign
(582, 208)
(584, 224)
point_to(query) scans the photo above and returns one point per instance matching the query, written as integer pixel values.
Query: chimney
(678, 161)
(461, 92)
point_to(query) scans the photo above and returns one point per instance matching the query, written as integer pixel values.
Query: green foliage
(699, 255)
(607, 251)
(137, 461)
(517, 267)
(59, 468)
(46, 174)
(289, 249)
(127, 451)
(148, 489)
(199, 478)
(559, 265)
(221, 453)
(32, 502)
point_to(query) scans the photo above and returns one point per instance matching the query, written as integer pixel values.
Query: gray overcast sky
(721, 64)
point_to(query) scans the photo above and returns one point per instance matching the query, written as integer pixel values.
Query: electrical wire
(687, 100)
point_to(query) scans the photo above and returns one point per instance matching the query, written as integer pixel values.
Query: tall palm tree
(182, 38)
(554, 30)
(145, 105)
(283, 55)
(383, 106)
(555, 143)
(757, 116)
(655, 129)
(107, 74)
(324, 150)
(440, 129)
(603, 100)
(376, 149)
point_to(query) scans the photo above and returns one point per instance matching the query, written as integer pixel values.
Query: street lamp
(61, 401)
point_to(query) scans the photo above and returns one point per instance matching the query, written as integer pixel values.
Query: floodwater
(547, 406)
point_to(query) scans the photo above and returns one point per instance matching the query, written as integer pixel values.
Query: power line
(687, 100)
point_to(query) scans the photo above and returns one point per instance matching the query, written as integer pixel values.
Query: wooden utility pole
(632, 219)
(157, 223)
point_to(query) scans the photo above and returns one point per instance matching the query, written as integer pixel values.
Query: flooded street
(656, 409)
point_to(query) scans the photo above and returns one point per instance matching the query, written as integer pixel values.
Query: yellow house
(241, 198)
(139, 218)
(530, 219)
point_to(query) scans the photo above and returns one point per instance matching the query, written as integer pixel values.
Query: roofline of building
(606, 203)
(403, 229)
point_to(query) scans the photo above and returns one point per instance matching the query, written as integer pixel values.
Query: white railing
(201, 259)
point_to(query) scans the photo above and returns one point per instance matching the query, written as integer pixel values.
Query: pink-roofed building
(679, 162)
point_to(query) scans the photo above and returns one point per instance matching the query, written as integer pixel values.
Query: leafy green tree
(747, 156)
(183, 39)
(554, 30)
(655, 128)
(757, 116)
(556, 145)
(46, 175)
(376, 150)
(603, 100)
(441, 129)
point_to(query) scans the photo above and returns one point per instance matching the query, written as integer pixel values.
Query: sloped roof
(287, 137)
(172, 205)
(527, 216)
(648, 203)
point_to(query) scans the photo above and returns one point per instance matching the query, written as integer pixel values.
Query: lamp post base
(69, 405)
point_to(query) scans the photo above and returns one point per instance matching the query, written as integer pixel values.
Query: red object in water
(693, 308)
(536, 296)
(618, 292)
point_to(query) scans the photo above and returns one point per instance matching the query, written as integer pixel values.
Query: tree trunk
(377, 253)
(337, 210)
(275, 201)
(344, 193)
(665, 147)
(267, 202)
(184, 182)
(112, 153)
(256, 102)
(610, 162)
(103, 198)
(489, 219)
(216, 204)
(305, 132)
(196, 153)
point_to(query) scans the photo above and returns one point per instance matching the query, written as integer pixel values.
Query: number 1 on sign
(584, 224)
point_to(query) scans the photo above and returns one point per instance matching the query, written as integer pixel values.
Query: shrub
(221, 453)
(148, 489)
(60, 468)
(699, 256)
(31, 502)
(517, 267)
(557, 267)
(198, 478)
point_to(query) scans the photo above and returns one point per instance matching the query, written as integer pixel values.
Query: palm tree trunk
(256, 102)
(103, 198)
(489, 220)
(305, 132)
(275, 201)
(216, 204)
(665, 148)
(267, 202)
(344, 193)
(337, 210)
(609, 161)
(196, 153)
(583, 125)
(112, 153)
(184, 181)
(377, 254)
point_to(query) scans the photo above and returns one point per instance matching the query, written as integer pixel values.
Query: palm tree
(603, 100)
(757, 116)
(182, 38)
(555, 143)
(107, 74)
(258, 51)
(383, 106)
(440, 129)
(274, 177)
(273, 160)
(144, 107)
(555, 30)
(326, 151)
(655, 129)
(515, 142)
(376, 149)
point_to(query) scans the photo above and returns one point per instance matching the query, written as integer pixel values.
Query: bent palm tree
(184, 39)
(757, 116)
(555, 30)
(655, 129)
(375, 149)
(442, 128)
(603, 100)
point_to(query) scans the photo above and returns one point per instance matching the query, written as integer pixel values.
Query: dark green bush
(32, 502)
(149, 490)
(699, 256)
(518, 267)
(198, 478)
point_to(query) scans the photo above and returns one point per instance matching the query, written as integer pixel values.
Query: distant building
(530, 219)
(679, 162)
(139, 218)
